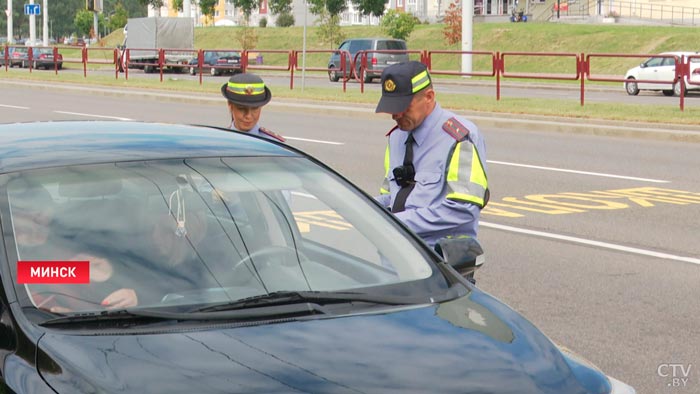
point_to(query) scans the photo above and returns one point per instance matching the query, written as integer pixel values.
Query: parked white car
(662, 69)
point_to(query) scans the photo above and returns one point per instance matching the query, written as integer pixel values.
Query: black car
(376, 61)
(44, 58)
(178, 259)
(217, 63)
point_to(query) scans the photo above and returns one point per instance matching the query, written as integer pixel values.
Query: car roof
(60, 143)
(373, 39)
(680, 53)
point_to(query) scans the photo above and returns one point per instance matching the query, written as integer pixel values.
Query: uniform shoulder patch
(455, 129)
(392, 130)
(272, 134)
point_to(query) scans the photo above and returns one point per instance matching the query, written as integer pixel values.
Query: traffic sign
(32, 9)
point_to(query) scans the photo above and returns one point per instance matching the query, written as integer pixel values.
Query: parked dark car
(218, 63)
(219, 262)
(44, 58)
(17, 56)
(376, 61)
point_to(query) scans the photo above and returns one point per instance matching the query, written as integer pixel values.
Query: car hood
(473, 345)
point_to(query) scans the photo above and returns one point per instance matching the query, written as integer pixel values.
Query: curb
(661, 131)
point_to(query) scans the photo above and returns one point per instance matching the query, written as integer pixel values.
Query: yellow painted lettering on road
(493, 211)
(550, 209)
(578, 202)
(582, 202)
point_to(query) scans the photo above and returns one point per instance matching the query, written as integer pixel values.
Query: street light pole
(45, 26)
(10, 35)
(32, 26)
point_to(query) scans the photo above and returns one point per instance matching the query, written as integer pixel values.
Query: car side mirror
(464, 253)
(642, 65)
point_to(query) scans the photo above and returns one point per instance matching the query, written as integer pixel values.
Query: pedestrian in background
(247, 94)
(435, 164)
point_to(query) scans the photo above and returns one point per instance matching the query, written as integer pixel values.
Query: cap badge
(389, 85)
(249, 90)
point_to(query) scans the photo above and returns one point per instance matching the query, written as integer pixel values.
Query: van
(376, 61)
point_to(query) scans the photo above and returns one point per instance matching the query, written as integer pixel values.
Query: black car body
(217, 63)
(44, 58)
(17, 56)
(376, 61)
(315, 289)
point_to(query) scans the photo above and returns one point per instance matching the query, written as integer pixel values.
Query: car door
(650, 72)
(666, 73)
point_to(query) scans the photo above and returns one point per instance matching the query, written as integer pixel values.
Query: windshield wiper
(318, 297)
(153, 315)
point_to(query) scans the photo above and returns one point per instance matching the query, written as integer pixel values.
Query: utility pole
(32, 25)
(45, 27)
(467, 34)
(186, 8)
(10, 32)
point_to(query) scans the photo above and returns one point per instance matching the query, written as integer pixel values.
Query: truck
(143, 37)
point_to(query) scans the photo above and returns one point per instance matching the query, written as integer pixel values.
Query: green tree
(247, 38)
(83, 22)
(285, 19)
(119, 18)
(370, 7)
(329, 29)
(156, 4)
(246, 7)
(398, 24)
(333, 7)
(208, 8)
(279, 7)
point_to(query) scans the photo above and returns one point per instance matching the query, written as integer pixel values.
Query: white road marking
(316, 141)
(578, 172)
(592, 243)
(92, 115)
(12, 106)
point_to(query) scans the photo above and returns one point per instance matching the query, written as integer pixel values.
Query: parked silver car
(376, 61)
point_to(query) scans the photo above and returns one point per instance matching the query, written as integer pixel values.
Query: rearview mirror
(464, 253)
(642, 65)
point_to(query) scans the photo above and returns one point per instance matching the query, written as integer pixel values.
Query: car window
(360, 45)
(344, 46)
(183, 232)
(391, 45)
(654, 62)
(669, 61)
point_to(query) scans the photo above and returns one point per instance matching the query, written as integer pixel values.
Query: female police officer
(247, 94)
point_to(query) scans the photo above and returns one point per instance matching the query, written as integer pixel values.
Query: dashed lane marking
(599, 244)
(600, 174)
(92, 115)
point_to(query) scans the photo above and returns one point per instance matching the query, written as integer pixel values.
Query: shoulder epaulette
(392, 130)
(272, 134)
(455, 129)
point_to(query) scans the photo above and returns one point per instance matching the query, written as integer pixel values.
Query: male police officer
(435, 174)
(246, 94)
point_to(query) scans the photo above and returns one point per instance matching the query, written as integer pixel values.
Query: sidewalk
(660, 131)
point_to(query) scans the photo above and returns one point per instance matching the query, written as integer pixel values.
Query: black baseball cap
(399, 83)
(247, 90)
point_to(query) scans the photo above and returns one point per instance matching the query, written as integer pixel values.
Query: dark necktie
(402, 195)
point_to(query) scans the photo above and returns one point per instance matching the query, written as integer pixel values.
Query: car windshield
(206, 231)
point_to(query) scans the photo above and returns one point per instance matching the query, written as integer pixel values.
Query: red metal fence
(579, 68)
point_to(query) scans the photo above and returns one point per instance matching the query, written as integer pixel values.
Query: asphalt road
(593, 238)
(510, 87)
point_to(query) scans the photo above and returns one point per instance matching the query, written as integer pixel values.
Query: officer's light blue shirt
(428, 212)
(256, 131)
